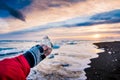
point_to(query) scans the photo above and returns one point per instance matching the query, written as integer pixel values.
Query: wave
(6, 49)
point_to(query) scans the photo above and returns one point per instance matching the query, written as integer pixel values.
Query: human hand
(39, 52)
(46, 50)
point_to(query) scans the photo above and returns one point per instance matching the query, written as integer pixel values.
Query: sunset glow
(64, 19)
(96, 36)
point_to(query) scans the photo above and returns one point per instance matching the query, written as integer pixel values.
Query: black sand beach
(107, 65)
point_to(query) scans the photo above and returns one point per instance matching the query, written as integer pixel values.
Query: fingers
(47, 52)
(46, 49)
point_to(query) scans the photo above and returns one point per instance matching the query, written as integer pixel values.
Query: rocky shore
(107, 65)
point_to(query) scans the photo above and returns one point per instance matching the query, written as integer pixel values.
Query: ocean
(64, 63)
(10, 48)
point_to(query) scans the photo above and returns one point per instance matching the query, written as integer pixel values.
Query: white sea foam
(77, 56)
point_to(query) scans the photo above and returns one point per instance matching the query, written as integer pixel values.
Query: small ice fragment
(109, 52)
(51, 56)
(56, 54)
(65, 65)
(116, 60)
(56, 46)
(113, 52)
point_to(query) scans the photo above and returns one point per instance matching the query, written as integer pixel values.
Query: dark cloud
(17, 4)
(76, 0)
(101, 18)
(11, 7)
(46, 4)
(54, 5)
(111, 15)
(95, 23)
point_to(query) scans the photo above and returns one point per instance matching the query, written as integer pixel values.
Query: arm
(36, 54)
(18, 68)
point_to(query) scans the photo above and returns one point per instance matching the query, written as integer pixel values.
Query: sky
(62, 19)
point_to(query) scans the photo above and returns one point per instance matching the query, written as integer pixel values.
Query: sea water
(67, 62)
(11, 48)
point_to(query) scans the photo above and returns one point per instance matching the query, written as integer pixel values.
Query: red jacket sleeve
(14, 68)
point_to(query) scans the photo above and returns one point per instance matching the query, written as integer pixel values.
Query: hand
(47, 50)
(39, 52)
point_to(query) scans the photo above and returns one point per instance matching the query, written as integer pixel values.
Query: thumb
(44, 47)
(47, 52)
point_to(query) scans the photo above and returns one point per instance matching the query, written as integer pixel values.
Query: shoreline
(107, 65)
(68, 64)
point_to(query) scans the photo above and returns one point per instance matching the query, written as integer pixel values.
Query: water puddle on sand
(66, 63)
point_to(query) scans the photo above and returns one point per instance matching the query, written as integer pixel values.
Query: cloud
(105, 30)
(43, 15)
(107, 17)
(77, 0)
(110, 15)
(41, 12)
(101, 18)
(16, 4)
(8, 7)
(55, 3)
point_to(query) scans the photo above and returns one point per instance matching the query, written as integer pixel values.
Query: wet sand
(107, 65)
